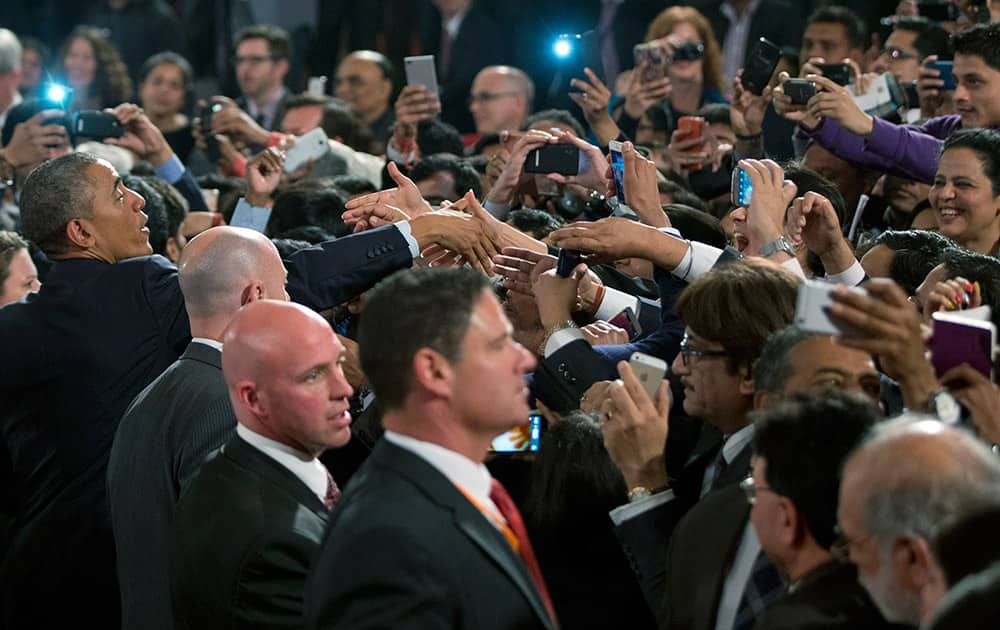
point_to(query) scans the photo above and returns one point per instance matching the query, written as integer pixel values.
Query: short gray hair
(10, 51)
(54, 194)
(919, 491)
(774, 366)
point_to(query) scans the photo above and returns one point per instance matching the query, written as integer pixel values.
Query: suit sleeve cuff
(792, 264)
(699, 259)
(561, 338)
(407, 233)
(615, 302)
(629, 511)
(171, 170)
(852, 276)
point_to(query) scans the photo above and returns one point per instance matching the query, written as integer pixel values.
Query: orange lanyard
(497, 520)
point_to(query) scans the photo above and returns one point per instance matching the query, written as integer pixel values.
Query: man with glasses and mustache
(912, 40)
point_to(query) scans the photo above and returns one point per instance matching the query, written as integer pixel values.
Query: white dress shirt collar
(452, 24)
(308, 469)
(211, 343)
(734, 443)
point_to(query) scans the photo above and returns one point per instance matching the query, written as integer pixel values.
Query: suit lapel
(468, 519)
(203, 353)
(247, 456)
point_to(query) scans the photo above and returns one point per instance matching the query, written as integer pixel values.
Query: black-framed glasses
(751, 489)
(488, 97)
(897, 54)
(687, 352)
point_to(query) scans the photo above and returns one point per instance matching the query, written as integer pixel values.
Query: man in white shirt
(263, 55)
(245, 532)
(424, 536)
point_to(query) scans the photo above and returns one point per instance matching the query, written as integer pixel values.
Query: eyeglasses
(750, 489)
(897, 54)
(687, 352)
(486, 97)
(253, 60)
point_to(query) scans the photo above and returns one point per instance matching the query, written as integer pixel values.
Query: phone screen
(618, 172)
(521, 439)
(742, 188)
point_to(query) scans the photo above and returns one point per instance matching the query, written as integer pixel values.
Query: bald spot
(515, 78)
(216, 266)
(259, 340)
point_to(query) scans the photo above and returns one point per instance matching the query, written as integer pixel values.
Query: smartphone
(211, 144)
(317, 86)
(800, 90)
(554, 158)
(649, 370)
(420, 70)
(97, 125)
(655, 59)
(812, 305)
(312, 144)
(910, 94)
(742, 188)
(946, 68)
(568, 260)
(839, 73)
(618, 169)
(688, 51)
(761, 62)
(692, 127)
(521, 439)
(629, 322)
(936, 11)
(959, 340)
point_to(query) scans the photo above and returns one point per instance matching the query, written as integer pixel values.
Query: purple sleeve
(910, 152)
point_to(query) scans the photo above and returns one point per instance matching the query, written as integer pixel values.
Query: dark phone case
(211, 144)
(761, 62)
(554, 158)
(96, 125)
(800, 90)
(568, 260)
(839, 73)
(947, 70)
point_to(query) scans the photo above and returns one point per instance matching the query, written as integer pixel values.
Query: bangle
(598, 298)
(554, 328)
(751, 138)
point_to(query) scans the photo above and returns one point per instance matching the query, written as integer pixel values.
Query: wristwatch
(943, 405)
(780, 244)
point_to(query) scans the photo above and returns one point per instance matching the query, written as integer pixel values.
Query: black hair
(774, 366)
(436, 136)
(174, 203)
(681, 195)
(854, 26)
(410, 310)
(931, 38)
(353, 185)
(696, 225)
(168, 56)
(54, 194)
(808, 180)
(466, 177)
(288, 246)
(715, 113)
(985, 143)
(560, 116)
(917, 252)
(309, 202)
(155, 210)
(279, 44)
(982, 40)
(804, 442)
(486, 140)
(537, 223)
(312, 234)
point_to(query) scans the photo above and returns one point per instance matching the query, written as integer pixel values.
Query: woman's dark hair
(111, 85)
(985, 143)
(168, 56)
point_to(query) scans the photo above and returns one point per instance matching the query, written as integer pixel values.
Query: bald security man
(911, 479)
(245, 533)
(182, 416)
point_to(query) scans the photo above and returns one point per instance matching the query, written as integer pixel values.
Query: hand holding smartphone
(693, 127)
(650, 372)
(761, 63)
(617, 169)
(420, 70)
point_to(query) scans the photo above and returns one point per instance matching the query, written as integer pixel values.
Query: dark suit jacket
(406, 549)
(161, 443)
(243, 537)
(71, 360)
(779, 21)
(829, 598)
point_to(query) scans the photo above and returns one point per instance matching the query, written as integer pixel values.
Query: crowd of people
(263, 351)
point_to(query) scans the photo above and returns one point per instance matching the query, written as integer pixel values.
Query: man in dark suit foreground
(424, 537)
(799, 448)
(246, 531)
(182, 416)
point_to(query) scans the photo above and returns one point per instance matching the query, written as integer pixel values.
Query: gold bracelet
(554, 328)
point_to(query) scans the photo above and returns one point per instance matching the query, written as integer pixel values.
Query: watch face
(945, 407)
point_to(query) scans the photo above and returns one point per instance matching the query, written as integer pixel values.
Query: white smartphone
(317, 86)
(420, 70)
(812, 305)
(649, 370)
(313, 144)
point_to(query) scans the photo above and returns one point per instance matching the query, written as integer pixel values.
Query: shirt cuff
(171, 170)
(629, 511)
(561, 338)
(407, 233)
(251, 217)
(498, 210)
(615, 302)
(792, 264)
(698, 260)
(852, 276)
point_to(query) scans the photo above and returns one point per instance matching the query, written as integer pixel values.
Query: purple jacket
(909, 151)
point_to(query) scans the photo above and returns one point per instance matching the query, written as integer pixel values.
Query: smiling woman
(966, 190)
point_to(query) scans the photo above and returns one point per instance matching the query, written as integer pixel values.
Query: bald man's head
(282, 364)
(501, 98)
(226, 267)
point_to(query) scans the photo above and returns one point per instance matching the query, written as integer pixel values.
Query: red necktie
(509, 511)
(332, 492)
